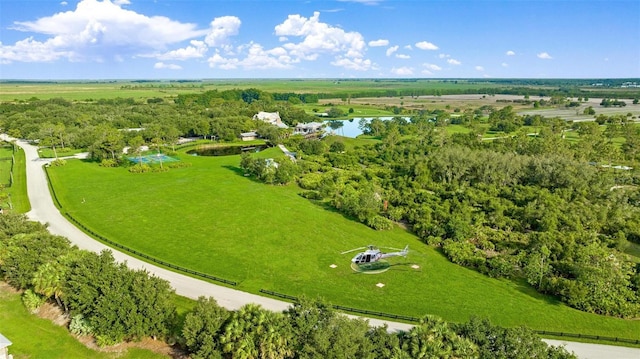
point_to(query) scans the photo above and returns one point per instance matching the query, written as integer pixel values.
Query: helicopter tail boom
(402, 253)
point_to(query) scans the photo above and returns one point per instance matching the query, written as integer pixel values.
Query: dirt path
(44, 211)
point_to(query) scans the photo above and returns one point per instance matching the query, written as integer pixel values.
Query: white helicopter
(373, 254)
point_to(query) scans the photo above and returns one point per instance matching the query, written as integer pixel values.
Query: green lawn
(211, 218)
(17, 193)
(34, 337)
(5, 165)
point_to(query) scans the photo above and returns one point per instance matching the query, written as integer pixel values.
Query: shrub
(105, 341)
(80, 326)
(379, 223)
(500, 267)
(159, 169)
(337, 146)
(32, 301)
(140, 168)
(179, 165)
(463, 253)
(109, 162)
(314, 195)
(58, 163)
(310, 181)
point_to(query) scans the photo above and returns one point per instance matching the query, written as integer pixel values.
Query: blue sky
(184, 39)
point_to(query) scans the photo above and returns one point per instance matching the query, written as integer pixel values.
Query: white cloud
(408, 47)
(221, 29)
(259, 58)
(444, 56)
(424, 45)
(403, 56)
(30, 50)
(402, 71)
(122, 2)
(256, 57)
(454, 62)
(377, 43)
(223, 63)
(504, 64)
(426, 72)
(64, 3)
(162, 65)
(197, 50)
(432, 67)
(544, 56)
(479, 68)
(96, 30)
(354, 64)
(510, 53)
(318, 38)
(283, 39)
(391, 50)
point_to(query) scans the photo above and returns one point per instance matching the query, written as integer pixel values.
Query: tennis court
(151, 159)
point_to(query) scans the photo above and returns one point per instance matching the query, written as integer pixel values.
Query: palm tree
(48, 281)
(253, 332)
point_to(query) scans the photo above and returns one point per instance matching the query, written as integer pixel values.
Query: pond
(225, 150)
(350, 128)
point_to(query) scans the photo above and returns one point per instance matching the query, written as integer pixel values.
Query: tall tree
(202, 329)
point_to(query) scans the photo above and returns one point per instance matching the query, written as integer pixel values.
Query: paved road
(43, 210)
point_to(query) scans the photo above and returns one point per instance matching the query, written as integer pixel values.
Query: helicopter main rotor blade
(353, 250)
(395, 249)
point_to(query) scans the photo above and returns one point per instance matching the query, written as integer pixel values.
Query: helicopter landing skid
(371, 268)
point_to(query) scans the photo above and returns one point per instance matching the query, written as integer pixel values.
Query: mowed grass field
(211, 218)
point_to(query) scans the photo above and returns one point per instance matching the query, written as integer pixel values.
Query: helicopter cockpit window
(368, 258)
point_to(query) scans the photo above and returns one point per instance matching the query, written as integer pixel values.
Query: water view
(350, 128)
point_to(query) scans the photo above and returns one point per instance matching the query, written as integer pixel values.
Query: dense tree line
(113, 303)
(106, 127)
(107, 299)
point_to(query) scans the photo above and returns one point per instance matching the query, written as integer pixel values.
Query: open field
(211, 218)
(576, 113)
(343, 88)
(81, 91)
(448, 102)
(35, 337)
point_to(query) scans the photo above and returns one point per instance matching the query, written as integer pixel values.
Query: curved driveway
(43, 210)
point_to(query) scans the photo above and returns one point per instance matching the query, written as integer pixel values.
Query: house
(271, 118)
(249, 136)
(308, 128)
(4, 348)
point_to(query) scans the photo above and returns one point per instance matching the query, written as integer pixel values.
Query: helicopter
(373, 254)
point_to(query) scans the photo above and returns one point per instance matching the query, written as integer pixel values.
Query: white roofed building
(271, 118)
(4, 347)
(308, 128)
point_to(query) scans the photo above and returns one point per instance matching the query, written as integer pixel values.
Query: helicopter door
(368, 258)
